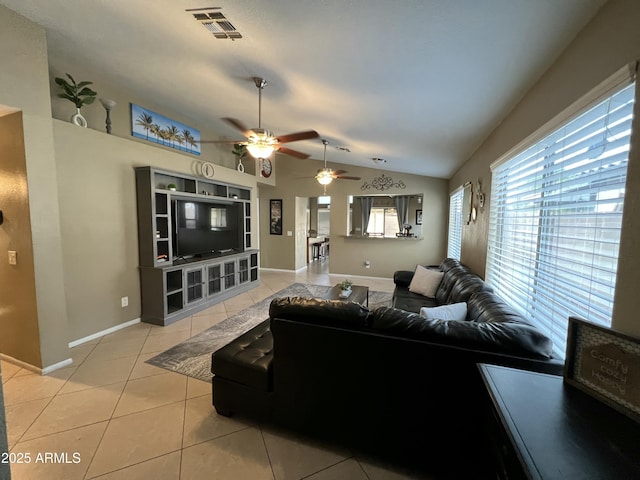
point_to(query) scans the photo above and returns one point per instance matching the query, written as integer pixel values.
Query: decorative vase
(78, 119)
(345, 293)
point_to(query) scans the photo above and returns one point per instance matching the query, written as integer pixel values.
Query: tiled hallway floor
(112, 416)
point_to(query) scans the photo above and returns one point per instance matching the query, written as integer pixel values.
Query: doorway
(318, 230)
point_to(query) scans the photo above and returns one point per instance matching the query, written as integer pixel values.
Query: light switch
(13, 257)
(289, 233)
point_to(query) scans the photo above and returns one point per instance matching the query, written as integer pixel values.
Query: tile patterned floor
(115, 417)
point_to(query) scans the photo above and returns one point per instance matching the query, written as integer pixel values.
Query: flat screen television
(206, 228)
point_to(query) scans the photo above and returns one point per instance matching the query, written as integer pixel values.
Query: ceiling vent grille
(215, 22)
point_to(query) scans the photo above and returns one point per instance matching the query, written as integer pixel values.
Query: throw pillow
(425, 281)
(454, 311)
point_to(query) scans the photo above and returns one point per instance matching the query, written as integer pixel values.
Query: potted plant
(239, 150)
(172, 187)
(345, 287)
(78, 93)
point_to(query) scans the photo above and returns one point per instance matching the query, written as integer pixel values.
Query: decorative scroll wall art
(382, 183)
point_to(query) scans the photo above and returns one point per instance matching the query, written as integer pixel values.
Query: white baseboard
(102, 333)
(358, 276)
(56, 366)
(34, 369)
(277, 270)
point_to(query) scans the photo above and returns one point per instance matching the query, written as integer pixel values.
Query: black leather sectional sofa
(385, 381)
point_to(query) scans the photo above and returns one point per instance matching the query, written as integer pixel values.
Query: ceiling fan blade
(238, 125)
(293, 153)
(339, 172)
(343, 177)
(294, 137)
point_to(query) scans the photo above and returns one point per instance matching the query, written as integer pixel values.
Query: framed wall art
(156, 128)
(275, 217)
(605, 364)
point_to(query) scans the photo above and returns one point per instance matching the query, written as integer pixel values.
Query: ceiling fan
(326, 175)
(260, 142)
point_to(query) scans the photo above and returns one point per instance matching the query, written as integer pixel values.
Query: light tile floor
(112, 416)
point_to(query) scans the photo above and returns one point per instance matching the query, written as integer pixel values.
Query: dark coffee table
(359, 294)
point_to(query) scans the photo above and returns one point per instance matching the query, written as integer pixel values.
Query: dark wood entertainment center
(174, 287)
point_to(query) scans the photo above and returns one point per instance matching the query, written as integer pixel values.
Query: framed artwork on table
(418, 217)
(275, 217)
(604, 364)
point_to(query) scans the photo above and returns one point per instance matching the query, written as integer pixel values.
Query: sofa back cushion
(449, 279)
(487, 307)
(506, 337)
(465, 286)
(320, 311)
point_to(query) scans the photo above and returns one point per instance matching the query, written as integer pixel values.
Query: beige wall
(99, 221)
(608, 42)
(24, 85)
(295, 179)
(19, 336)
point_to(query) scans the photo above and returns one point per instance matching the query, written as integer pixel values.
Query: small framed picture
(418, 217)
(604, 364)
(275, 217)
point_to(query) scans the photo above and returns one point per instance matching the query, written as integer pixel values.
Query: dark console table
(544, 429)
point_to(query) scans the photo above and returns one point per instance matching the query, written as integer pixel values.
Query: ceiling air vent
(215, 22)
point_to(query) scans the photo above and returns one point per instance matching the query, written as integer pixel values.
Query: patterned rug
(193, 356)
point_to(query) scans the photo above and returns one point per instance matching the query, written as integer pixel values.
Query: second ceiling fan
(262, 143)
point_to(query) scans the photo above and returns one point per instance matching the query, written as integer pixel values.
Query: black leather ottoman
(242, 369)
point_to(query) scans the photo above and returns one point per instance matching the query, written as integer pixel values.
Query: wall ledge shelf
(367, 237)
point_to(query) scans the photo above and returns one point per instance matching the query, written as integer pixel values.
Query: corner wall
(19, 336)
(607, 43)
(24, 85)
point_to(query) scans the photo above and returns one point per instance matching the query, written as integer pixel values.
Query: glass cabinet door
(229, 274)
(243, 270)
(194, 281)
(214, 279)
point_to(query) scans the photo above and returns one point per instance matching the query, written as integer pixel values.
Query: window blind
(454, 244)
(556, 217)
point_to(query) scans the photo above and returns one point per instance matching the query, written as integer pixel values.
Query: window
(555, 220)
(383, 222)
(454, 244)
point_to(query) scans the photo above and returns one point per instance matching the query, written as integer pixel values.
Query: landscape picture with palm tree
(157, 128)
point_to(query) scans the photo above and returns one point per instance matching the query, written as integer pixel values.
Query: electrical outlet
(13, 257)
(367, 264)
(124, 302)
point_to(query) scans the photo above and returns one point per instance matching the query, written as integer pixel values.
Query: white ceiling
(420, 83)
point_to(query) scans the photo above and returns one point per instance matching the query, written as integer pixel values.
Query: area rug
(193, 356)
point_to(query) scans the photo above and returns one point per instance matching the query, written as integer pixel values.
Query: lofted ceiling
(420, 83)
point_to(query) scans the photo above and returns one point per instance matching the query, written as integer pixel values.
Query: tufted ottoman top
(247, 359)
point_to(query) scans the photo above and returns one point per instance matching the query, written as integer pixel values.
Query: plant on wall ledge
(78, 93)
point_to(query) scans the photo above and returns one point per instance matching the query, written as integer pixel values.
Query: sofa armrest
(402, 278)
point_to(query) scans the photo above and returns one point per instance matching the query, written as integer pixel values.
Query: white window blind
(454, 244)
(556, 215)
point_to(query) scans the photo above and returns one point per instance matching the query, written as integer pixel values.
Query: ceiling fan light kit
(262, 143)
(324, 176)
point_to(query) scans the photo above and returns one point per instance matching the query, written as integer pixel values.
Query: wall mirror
(385, 216)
